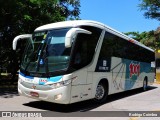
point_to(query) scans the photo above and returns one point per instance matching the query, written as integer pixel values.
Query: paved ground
(135, 100)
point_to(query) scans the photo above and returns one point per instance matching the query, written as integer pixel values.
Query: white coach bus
(72, 61)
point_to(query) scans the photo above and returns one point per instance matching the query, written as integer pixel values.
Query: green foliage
(157, 37)
(150, 39)
(23, 16)
(151, 8)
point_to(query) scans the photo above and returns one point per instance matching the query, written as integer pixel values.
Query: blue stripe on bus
(26, 76)
(41, 82)
(54, 79)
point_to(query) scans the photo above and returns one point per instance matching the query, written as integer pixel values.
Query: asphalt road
(134, 100)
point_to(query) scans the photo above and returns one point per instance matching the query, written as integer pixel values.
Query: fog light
(57, 97)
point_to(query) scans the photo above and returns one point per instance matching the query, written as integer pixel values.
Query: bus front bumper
(59, 95)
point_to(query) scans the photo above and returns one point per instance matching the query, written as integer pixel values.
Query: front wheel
(101, 93)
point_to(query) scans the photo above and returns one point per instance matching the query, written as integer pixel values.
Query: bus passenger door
(80, 60)
(83, 51)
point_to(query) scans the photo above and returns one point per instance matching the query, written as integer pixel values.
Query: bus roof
(76, 23)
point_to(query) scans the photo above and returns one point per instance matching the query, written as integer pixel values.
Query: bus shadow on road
(84, 105)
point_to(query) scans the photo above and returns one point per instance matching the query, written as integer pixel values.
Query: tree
(151, 8)
(137, 36)
(23, 16)
(157, 37)
(150, 39)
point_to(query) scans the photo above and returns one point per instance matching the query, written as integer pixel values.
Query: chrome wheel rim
(99, 92)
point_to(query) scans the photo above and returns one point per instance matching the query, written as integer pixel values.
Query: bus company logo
(134, 69)
(43, 80)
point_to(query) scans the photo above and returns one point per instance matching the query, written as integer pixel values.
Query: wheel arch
(104, 81)
(101, 91)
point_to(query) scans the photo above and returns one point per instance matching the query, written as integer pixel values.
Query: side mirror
(72, 33)
(19, 37)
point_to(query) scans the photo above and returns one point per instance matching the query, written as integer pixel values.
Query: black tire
(145, 85)
(101, 93)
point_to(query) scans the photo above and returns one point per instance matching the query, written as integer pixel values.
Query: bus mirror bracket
(72, 33)
(20, 37)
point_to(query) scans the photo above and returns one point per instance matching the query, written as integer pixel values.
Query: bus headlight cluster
(62, 83)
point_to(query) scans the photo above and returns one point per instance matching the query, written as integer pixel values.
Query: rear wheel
(101, 93)
(145, 84)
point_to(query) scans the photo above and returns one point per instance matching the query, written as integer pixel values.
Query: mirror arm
(73, 32)
(14, 44)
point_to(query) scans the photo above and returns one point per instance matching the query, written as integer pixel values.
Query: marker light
(57, 97)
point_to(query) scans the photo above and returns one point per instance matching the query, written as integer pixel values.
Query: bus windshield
(46, 52)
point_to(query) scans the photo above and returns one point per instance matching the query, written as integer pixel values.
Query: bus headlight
(62, 83)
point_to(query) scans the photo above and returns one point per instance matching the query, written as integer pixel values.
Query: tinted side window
(119, 47)
(84, 47)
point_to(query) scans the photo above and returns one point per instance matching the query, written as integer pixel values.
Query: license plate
(34, 94)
